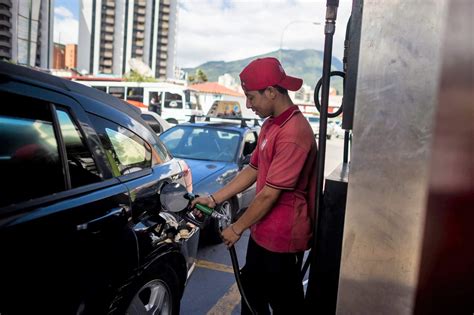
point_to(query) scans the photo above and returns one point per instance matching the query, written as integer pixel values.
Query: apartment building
(59, 54)
(113, 32)
(26, 32)
(70, 57)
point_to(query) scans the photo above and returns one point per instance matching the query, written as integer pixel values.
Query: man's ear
(272, 93)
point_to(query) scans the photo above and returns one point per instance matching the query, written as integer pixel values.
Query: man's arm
(242, 181)
(259, 207)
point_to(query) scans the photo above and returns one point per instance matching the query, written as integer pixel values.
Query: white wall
(146, 47)
(119, 53)
(47, 34)
(173, 24)
(84, 40)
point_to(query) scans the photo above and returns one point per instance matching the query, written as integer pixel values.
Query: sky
(227, 30)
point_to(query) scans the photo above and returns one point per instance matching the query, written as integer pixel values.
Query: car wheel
(328, 137)
(228, 208)
(156, 292)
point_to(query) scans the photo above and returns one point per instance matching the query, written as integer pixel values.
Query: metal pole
(331, 14)
(346, 147)
(283, 32)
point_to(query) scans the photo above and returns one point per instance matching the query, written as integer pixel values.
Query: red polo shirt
(285, 158)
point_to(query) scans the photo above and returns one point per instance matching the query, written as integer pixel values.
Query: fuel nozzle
(205, 211)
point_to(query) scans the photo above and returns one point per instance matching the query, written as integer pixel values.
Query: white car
(338, 132)
(314, 123)
(155, 121)
(330, 130)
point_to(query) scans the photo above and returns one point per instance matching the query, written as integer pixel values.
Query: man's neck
(281, 106)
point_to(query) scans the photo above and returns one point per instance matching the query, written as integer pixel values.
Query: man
(280, 217)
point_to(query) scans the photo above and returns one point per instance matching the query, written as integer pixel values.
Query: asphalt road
(211, 288)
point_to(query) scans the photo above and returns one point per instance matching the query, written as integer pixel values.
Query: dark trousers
(272, 280)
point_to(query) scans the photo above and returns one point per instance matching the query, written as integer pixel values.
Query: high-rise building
(59, 54)
(111, 33)
(71, 56)
(26, 32)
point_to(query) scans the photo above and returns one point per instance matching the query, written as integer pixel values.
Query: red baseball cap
(264, 72)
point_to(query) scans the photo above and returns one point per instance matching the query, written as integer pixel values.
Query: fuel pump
(325, 254)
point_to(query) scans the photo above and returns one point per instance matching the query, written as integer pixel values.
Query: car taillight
(187, 175)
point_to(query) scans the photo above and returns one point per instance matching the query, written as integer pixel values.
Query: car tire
(157, 291)
(328, 137)
(228, 207)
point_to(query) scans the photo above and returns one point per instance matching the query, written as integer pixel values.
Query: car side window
(250, 142)
(135, 94)
(173, 100)
(82, 167)
(30, 165)
(155, 102)
(117, 91)
(125, 151)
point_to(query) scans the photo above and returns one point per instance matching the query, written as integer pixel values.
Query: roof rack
(243, 121)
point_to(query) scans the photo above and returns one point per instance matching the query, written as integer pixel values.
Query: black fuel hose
(318, 87)
(235, 266)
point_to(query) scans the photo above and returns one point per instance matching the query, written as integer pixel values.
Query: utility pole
(283, 32)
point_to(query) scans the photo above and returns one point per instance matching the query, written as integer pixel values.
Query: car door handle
(101, 222)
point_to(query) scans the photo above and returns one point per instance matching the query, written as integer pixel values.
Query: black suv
(82, 229)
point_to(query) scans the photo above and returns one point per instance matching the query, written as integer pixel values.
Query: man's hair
(278, 88)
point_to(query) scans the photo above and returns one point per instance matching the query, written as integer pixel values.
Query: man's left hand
(230, 237)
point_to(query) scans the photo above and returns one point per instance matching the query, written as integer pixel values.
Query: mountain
(306, 64)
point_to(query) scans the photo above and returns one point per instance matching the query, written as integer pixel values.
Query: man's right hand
(206, 201)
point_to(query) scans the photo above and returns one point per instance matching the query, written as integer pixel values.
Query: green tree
(134, 76)
(198, 77)
(201, 76)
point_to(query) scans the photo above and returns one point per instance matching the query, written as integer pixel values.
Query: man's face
(260, 103)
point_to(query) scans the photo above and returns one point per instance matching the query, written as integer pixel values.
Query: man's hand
(206, 201)
(259, 207)
(230, 236)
